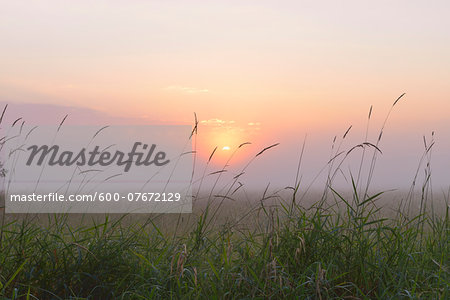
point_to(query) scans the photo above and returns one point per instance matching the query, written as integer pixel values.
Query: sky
(263, 72)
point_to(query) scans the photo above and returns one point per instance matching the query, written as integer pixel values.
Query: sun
(226, 148)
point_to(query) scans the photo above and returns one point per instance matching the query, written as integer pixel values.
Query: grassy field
(277, 245)
(320, 252)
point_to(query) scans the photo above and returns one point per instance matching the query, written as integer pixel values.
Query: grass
(343, 245)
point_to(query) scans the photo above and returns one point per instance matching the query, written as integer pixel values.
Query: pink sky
(258, 71)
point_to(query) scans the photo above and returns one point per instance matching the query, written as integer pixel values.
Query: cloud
(217, 122)
(186, 90)
(52, 114)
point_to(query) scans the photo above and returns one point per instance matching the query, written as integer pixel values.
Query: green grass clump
(342, 246)
(314, 253)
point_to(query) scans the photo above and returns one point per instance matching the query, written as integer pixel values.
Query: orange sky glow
(261, 72)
